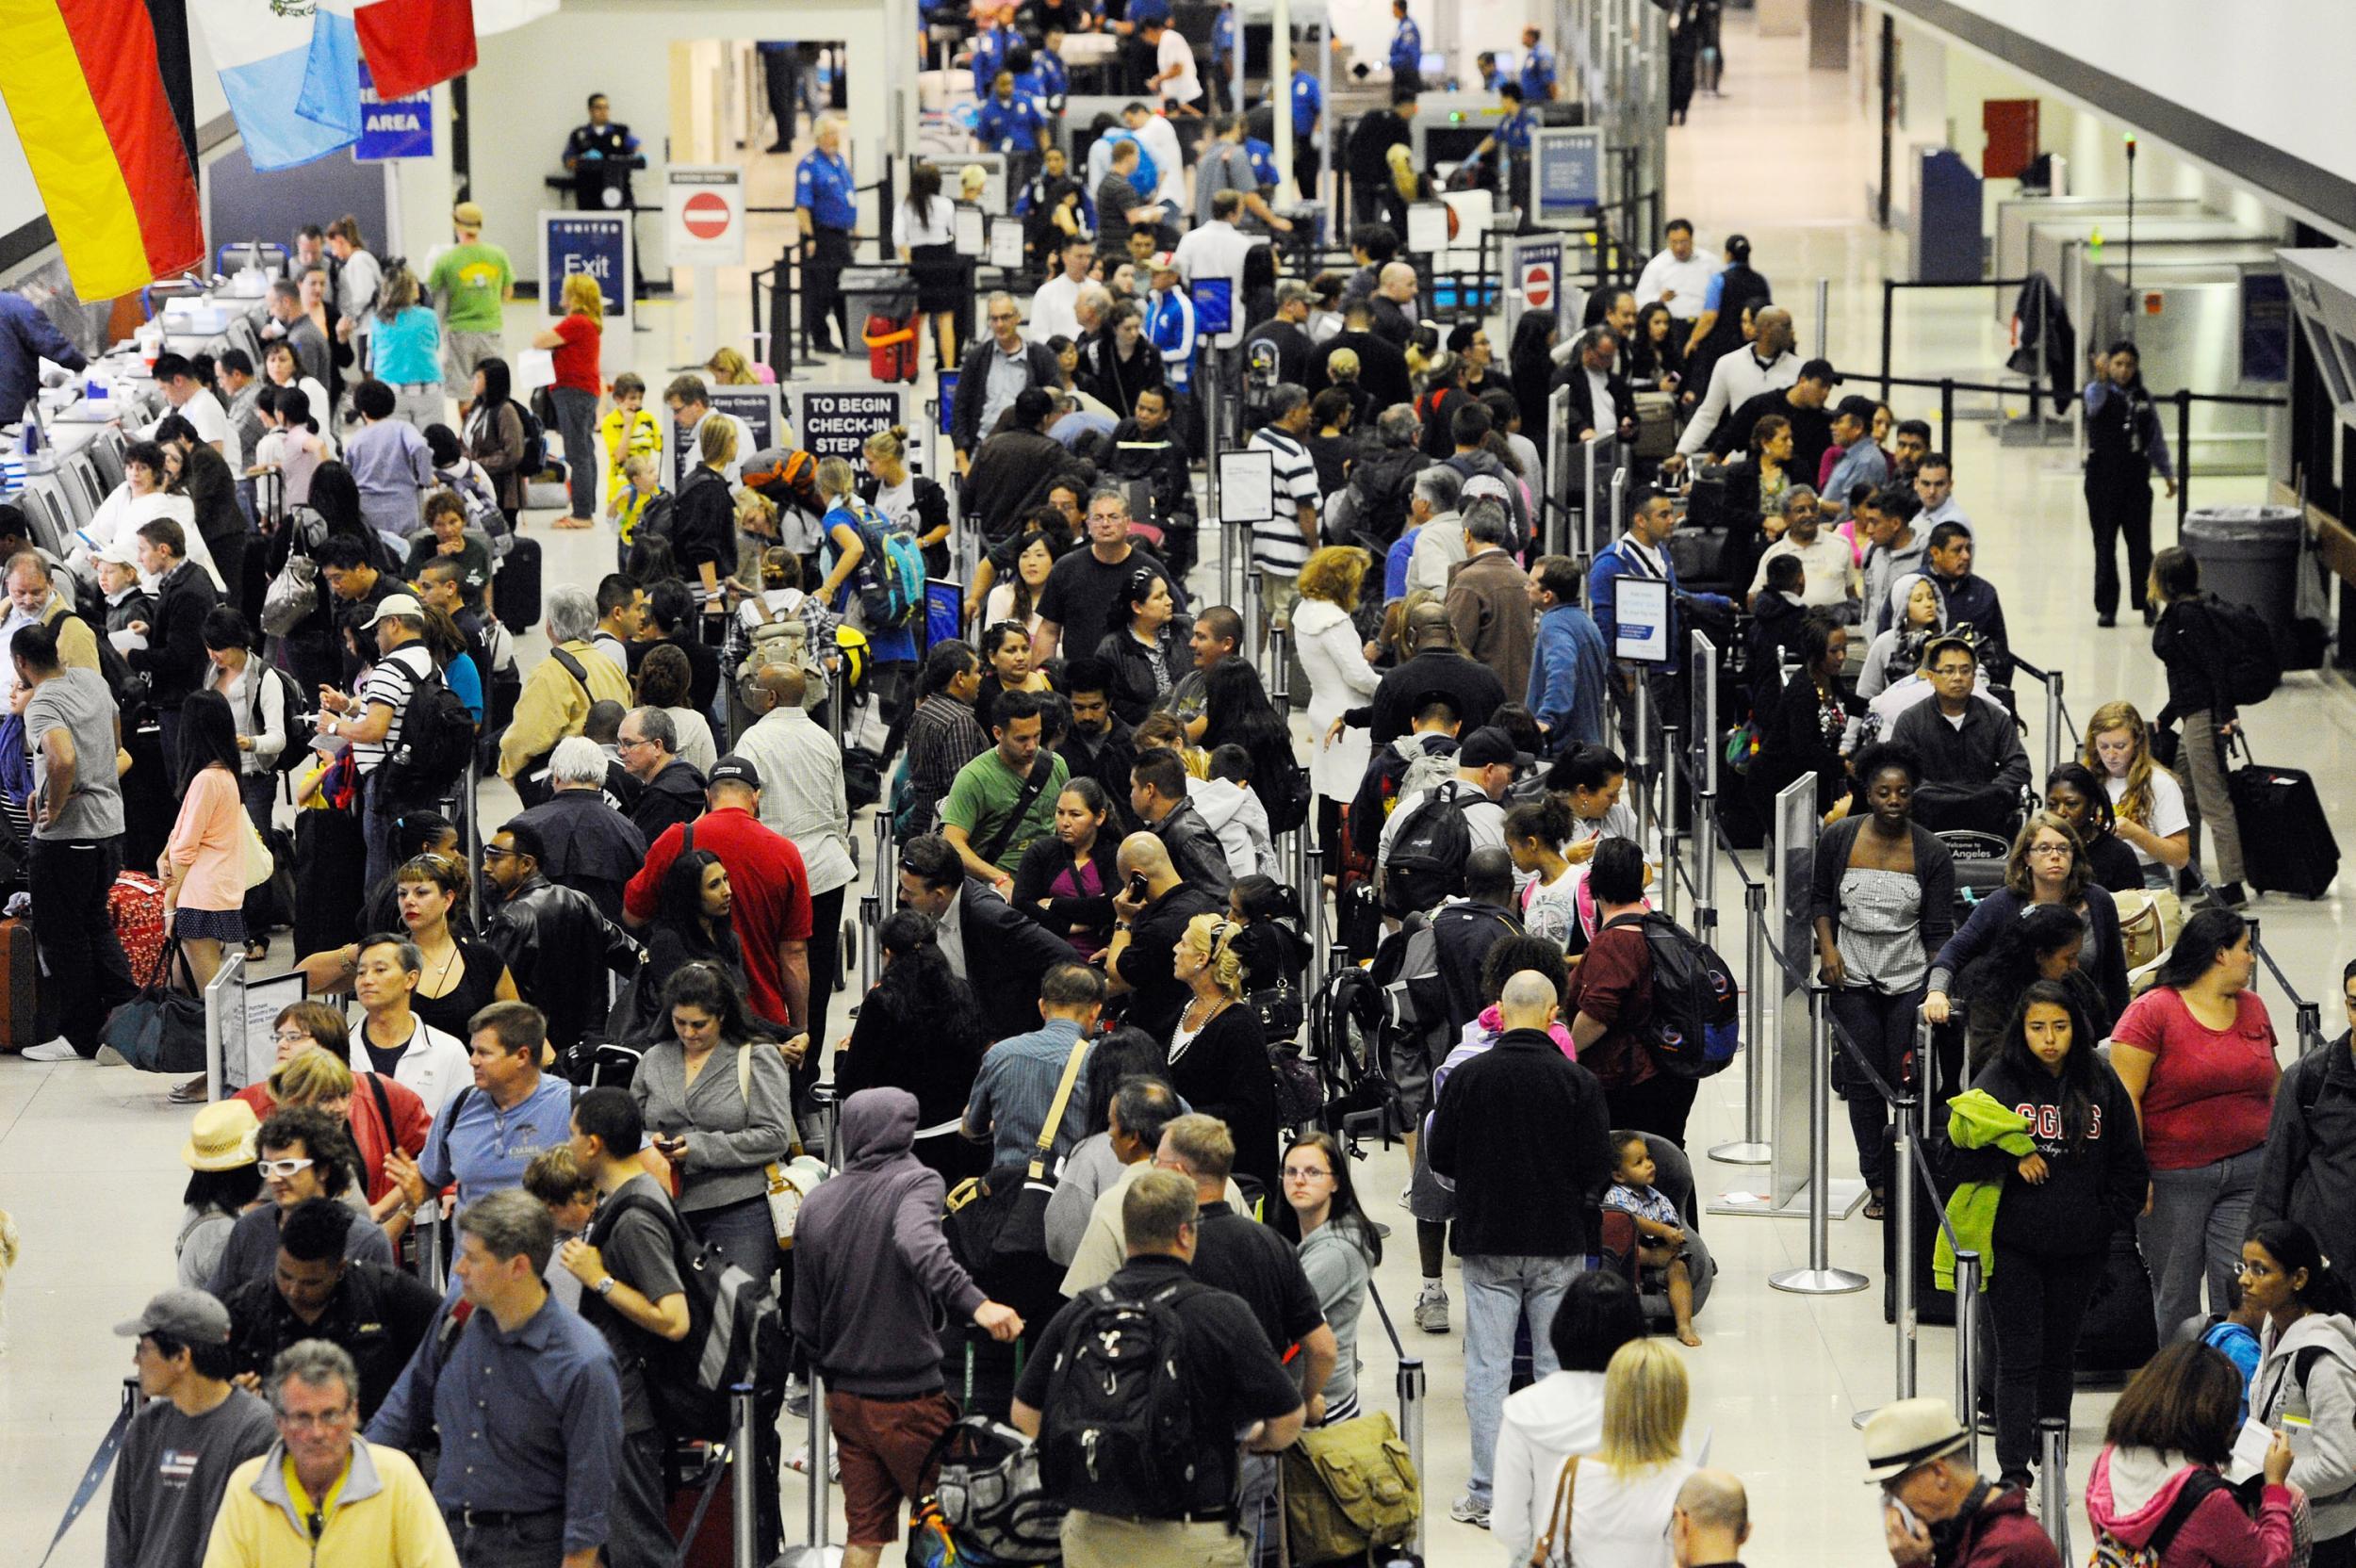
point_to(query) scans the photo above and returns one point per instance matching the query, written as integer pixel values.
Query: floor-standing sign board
(594, 244)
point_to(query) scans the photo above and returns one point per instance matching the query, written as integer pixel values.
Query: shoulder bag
(1558, 1520)
(789, 1182)
(995, 846)
(1002, 1217)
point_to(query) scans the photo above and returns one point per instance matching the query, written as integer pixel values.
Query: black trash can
(2250, 555)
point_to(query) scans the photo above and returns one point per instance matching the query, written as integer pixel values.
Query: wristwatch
(605, 1286)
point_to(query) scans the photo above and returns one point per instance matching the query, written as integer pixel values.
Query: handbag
(294, 593)
(784, 1183)
(1002, 1217)
(1557, 1519)
(2150, 920)
(161, 1030)
(1349, 1488)
(259, 864)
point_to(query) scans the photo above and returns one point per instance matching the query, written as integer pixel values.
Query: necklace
(1218, 1005)
(443, 976)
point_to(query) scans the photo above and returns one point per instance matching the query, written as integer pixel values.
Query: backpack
(1696, 1007)
(1344, 1042)
(1427, 854)
(1414, 998)
(2246, 660)
(734, 1332)
(2111, 1552)
(436, 743)
(1118, 1436)
(536, 458)
(891, 576)
(297, 723)
(785, 477)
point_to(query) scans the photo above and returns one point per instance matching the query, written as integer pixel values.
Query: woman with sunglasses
(313, 1068)
(1339, 1251)
(1217, 1051)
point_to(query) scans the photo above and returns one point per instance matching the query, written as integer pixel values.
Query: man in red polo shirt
(771, 893)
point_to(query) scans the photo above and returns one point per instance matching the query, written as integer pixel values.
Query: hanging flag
(411, 44)
(263, 53)
(330, 86)
(82, 84)
(505, 16)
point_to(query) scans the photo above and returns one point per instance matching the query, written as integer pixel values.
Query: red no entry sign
(705, 215)
(1538, 285)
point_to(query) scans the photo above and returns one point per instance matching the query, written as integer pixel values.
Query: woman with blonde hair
(703, 531)
(1218, 1051)
(1620, 1499)
(405, 348)
(576, 339)
(313, 1068)
(2146, 803)
(1341, 676)
(730, 367)
(913, 500)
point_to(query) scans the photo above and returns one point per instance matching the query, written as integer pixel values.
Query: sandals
(1874, 1205)
(256, 951)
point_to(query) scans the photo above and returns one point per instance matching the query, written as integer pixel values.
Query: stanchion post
(1230, 542)
(1640, 757)
(2052, 1480)
(1314, 893)
(869, 913)
(1411, 1397)
(744, 1495)
(2052, 720)
(1618, 518)
(1753, 1148)
(1819, 1278)
(1596, 539)
(819, 1444)
(1672, 863)
(1901, 1222)
(1823, 318)
(1968, 1348)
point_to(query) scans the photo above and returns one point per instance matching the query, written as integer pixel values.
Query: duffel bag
(161, 1030)
(1349, 1487)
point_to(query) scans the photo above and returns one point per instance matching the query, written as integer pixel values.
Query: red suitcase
(715, 1542)
(136, 902)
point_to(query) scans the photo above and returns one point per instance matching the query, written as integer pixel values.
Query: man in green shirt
(471, 284)
(1004, 801)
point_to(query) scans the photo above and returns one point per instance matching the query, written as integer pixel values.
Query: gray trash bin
(2250, 555)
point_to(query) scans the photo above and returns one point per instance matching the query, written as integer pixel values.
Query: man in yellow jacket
(557, 695)
(320, 1497)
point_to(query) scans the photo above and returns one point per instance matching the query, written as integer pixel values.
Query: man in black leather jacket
(545, 933)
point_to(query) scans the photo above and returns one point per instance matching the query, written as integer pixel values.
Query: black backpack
(1427, 854)
(297, 723)
(536, 460)
(1695, 1026)
(734, 1332)
(2249, 664)
(437, 741)
(1118, 1437)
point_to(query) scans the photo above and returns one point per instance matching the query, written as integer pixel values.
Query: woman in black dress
(460, 977)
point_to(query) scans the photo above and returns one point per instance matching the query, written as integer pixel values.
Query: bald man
(1767, 364)
(1711, 1521)
(1434, 663)
(1395, 304)
(1518, 1118)
(1140, 963)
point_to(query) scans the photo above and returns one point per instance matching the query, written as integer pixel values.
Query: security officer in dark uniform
(1512, 136)
(826, 210)
(600, 155)
(1308, 107)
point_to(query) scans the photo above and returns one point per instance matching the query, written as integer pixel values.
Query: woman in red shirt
(576, 340)
(2196, 1053)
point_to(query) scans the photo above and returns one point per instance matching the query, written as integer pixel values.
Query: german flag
(86, 92)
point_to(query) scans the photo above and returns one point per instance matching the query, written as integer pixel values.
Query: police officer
(1537, 68)
(600, 155)
(1512, 135)
(989, 54)
(1308, 108)
(826, 208)
(1406, 44)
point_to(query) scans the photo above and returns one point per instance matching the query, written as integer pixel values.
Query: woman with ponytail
(2307, 1374)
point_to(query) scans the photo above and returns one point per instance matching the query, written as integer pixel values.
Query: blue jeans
(2196, 1226)
(1501, 1291)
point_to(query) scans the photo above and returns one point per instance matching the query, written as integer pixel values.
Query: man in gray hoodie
(873, 1273)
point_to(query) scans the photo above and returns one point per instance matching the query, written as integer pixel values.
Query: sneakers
(2230, 896)
(1431, 1314)
(799, 1463)
(1469, 1510)
(797, 1397)
(59, 1050)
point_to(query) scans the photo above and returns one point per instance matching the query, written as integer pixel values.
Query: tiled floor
(94, 1152)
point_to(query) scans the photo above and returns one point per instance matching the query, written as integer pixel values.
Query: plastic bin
(2250, 555)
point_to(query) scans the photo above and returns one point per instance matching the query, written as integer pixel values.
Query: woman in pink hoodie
(2155, 1483)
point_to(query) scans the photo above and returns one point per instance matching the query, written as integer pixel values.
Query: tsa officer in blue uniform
(1512, 136)
(1048, 80)
(600, 155)
(1013, 124)
(1308, 108)
(989, 54)
(1222, 56)
(1537, 68)
(826, 209)
(1406, 43)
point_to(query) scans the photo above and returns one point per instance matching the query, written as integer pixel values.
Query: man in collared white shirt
(1052, 307)
(1216, 250)
(1679, 276)
(1159, 139)
(189, 398)
(1935, 486)
(1767, 366)
(802, 799)
(690, 402)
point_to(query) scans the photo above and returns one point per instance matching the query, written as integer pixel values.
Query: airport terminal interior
(1789, 141)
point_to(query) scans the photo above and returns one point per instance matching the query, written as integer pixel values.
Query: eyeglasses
(2049, 849)
(1306, 1173)
(291, 1036)
(492, 852)
(322, 1420)
(625, 744)
(278, 1170)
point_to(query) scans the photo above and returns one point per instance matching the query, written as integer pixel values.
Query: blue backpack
(891, 576)
(1696, 1006)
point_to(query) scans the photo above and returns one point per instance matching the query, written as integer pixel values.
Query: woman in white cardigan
(1339, 678)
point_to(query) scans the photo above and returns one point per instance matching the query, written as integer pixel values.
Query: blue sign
(393, 127)
(2265, 328)
(1214, 305)
(1566, 178)
(594, 244)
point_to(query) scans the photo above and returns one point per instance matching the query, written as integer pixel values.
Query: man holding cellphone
(1937, 1509)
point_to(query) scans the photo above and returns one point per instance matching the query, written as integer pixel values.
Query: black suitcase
(331, 860)
(2116, 1335)
(516, 590)
(2286, 844)
(1931, 1303)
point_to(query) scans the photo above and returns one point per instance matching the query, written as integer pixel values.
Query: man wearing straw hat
(1937, 1508)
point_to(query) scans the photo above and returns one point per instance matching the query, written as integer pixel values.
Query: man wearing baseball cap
(471, 283)
(195, 1430)
(1937, 1509)
(1861, 458)
(372, 721)
(1485, 765)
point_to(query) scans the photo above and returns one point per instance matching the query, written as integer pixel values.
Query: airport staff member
(1308, 108)
(1537, 68)
(1512, 134)
(598, 155)
(826, 208)
(1406, 43)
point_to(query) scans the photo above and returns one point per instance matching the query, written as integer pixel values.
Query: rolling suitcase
(2286, 844)
(516, 590)
(1656, 425)
(19, 1021)
(135, 905)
